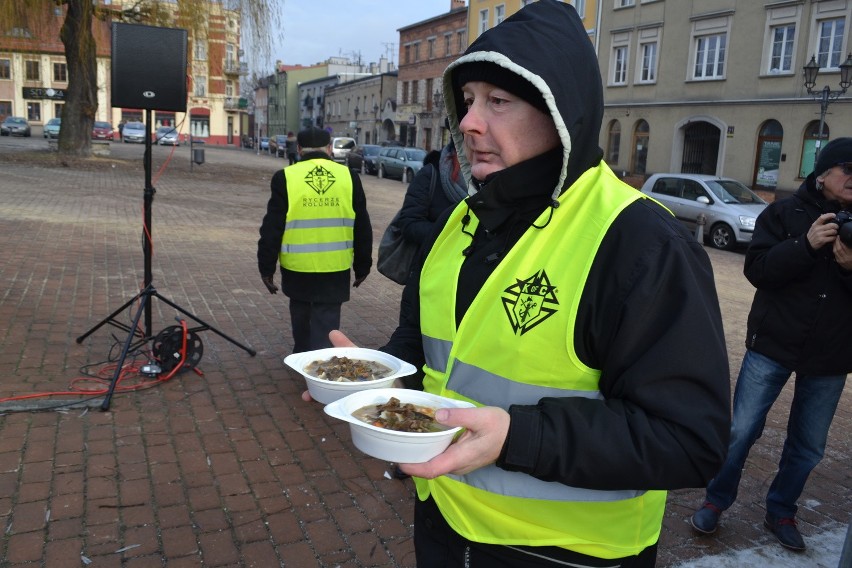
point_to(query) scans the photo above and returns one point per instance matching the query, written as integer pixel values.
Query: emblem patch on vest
(529, 302)
(320, 179)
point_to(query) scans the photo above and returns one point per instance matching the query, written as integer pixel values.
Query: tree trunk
(81, 104)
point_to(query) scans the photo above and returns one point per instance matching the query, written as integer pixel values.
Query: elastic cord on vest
(465, 221)
(553, 205)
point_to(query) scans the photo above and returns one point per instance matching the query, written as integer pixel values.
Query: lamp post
(376, 123)
(825, 96)
(357, 125)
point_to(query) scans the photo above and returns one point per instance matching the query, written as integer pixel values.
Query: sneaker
(706, 519)
(784, 529)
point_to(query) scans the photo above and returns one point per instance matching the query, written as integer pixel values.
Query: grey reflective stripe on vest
(319, 223)
(317, 247)
(490, 389)
(513, 484)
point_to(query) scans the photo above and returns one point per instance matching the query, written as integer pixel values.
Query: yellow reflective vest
(515, 345)
(319, 228)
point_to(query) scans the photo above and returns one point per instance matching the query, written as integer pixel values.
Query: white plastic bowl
(325, 391)
(390, 445)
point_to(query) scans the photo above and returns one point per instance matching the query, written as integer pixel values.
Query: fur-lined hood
(546, 44)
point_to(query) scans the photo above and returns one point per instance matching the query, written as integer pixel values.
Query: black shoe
(784, 529)
(706, 519)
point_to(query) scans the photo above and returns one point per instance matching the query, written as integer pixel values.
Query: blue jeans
(815, 399)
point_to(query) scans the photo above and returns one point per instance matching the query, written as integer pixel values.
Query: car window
(692, 190)
(667, 186)
(102, 125)
(730, 191)
(415, 154)
(371, 150)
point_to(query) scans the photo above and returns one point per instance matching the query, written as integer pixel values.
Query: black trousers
(437, 545)
(311, 322)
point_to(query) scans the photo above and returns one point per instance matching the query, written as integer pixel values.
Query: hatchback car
(15, 126)
(363, 158)
(165, 136)
(264, 143)
(102, 131)
(134, 132)
(340, 148)
(730, 209)
(402, 163)
(51, 129)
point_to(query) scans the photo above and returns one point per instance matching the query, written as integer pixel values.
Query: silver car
(730, 209)
(134, 132)
(167, 135)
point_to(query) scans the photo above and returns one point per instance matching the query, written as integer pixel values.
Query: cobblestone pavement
(230, 467)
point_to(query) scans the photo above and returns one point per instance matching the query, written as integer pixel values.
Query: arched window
(809, 146)
(641, 136)
(613, 143)
(768, 155)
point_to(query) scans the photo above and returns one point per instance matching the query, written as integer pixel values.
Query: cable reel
(168, 347)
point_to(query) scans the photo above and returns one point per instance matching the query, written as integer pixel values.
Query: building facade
(33, 76)
(485, 14)
(359, 108)
(715, 86)
(425, 50)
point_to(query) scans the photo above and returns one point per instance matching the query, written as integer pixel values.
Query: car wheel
(722, 237)
(381, 171)
(407, 175)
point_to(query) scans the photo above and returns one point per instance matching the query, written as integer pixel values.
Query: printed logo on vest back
(529, 302)
(320, 179)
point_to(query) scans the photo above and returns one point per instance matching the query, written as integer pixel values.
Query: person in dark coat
(315, 204)
(580, 318)
(292, 148)
(799, 324)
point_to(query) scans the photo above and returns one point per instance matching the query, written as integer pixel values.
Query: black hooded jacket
(649, 316)
(799, 316)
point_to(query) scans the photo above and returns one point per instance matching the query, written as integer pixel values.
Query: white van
(340, 147)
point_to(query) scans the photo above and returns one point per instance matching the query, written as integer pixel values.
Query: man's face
(838, 184)
(501, 130)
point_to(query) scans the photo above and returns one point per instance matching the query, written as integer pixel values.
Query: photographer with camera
(800, 261)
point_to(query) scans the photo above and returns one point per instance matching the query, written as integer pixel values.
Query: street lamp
(357, 126)
(825, 96)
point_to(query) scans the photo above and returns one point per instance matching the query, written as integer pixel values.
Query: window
(200, 53)
(613, 144)
(414, 92)
(462, 41)
(640, 147)
(417, 51)
(31, 71)
(781, 59)
(483, 21)
(431, 47)
(619, 65)
(5, 69)
(34, 112)
(499, 13)
(60, 72)
(648, 69)
(407, 51)
(830, 43)
(710, 56)
(405, 92)
(57, 109)
(5, 108)
(448, 44)
(229, 89)
(200, 86)
(624, 3)
(580, 6)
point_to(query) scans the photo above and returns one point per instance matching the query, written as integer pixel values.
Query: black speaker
(148, 67)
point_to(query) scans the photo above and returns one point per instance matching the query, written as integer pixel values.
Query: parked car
(363, 158)
(264, 143)
(340, 148)
(729, 207)
(397, 162)
(51, 129)
(102, 131)
(165, 136)
(278, 145)
(134, 132)
(15, 126)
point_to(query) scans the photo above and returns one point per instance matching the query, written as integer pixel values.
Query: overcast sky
(315, 30)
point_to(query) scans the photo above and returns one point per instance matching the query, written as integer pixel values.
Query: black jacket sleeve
(414, 218)
(272, 227)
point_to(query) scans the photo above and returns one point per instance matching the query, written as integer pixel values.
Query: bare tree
(30, 22)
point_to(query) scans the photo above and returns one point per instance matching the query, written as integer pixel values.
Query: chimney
(456, 4)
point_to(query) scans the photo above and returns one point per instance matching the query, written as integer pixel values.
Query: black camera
(843, 220)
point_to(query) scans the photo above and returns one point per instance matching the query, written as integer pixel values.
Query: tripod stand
(149, 291)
